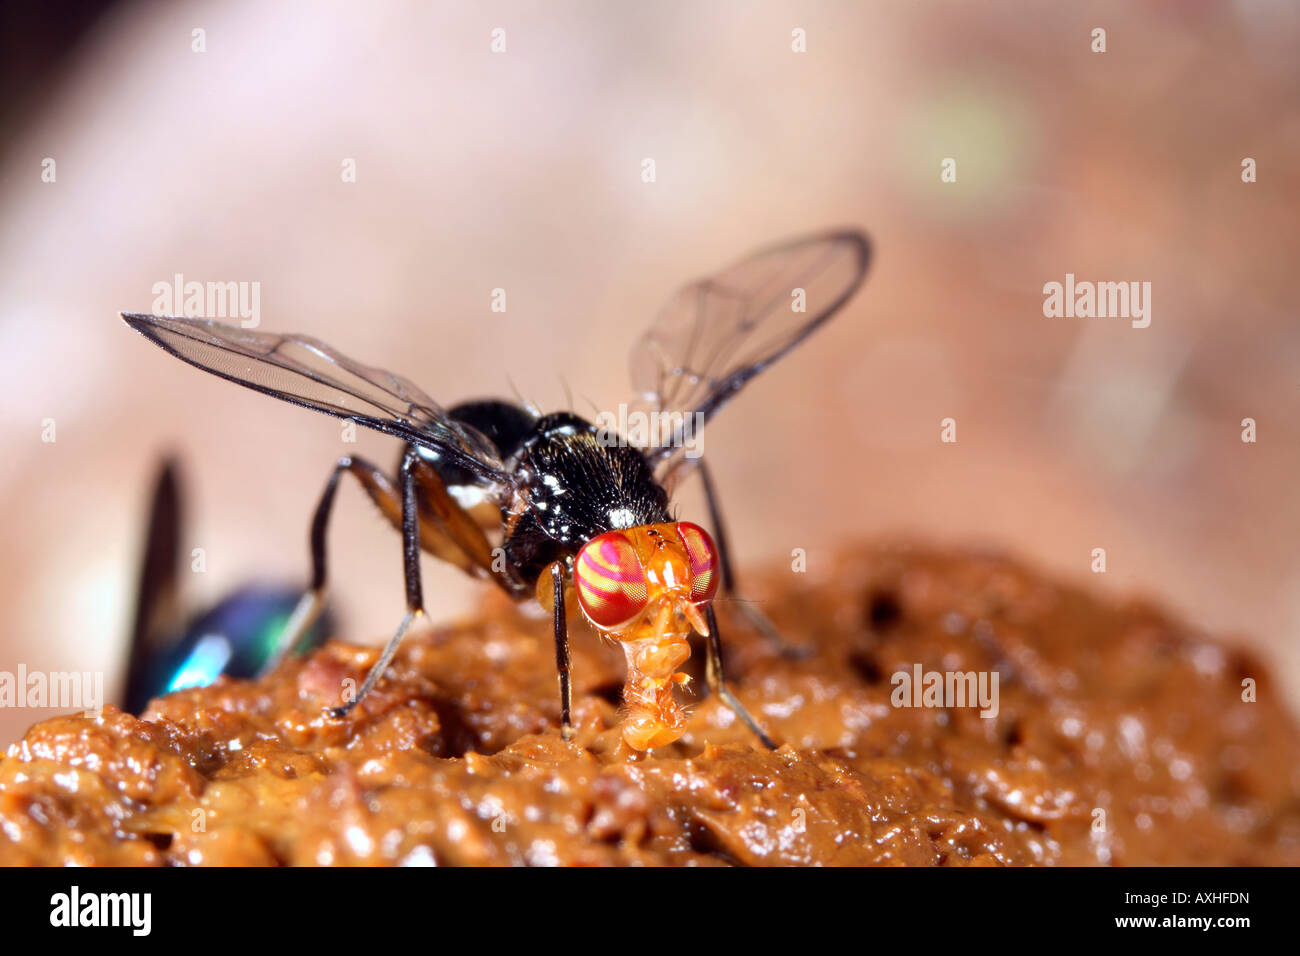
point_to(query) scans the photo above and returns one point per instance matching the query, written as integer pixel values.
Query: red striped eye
(610, 581)
(703, 558)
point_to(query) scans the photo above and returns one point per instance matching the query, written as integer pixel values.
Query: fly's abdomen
(503, 423)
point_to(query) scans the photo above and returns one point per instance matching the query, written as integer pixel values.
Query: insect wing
(719, 332)
(307, 372)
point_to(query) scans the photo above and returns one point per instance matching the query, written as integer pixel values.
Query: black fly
(573, 508)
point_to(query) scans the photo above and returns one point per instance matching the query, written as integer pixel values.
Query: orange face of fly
(623, 577)
(648, 587)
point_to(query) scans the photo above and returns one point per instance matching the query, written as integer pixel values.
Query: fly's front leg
(757, 619)
(718, 684)
(411, 567)
(562, 651)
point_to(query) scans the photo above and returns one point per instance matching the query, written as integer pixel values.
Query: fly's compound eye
(703, 558)
(611, 583)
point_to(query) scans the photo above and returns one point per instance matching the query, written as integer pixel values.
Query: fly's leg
(757, 619)
(445, 531)
(562, 652)
(382, 492)
(718, 684)
(411, 567)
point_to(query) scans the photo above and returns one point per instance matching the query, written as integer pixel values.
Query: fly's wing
(307, 372)
(718, 333)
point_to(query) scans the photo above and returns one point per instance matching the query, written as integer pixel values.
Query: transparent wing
(307, 372)
(718, 333)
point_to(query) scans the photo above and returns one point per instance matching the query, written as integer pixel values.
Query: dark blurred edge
(39, 39)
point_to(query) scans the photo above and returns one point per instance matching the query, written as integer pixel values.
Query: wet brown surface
(1121, 737)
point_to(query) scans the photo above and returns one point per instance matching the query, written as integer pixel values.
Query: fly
(574, 509)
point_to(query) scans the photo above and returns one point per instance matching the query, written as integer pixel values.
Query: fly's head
(647, 581)
(647, 587)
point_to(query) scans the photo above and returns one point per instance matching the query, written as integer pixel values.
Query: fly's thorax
(579, 487)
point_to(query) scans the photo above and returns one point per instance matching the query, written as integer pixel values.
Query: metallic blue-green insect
(240, 636)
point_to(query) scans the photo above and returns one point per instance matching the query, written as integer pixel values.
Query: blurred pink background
(522, 170)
